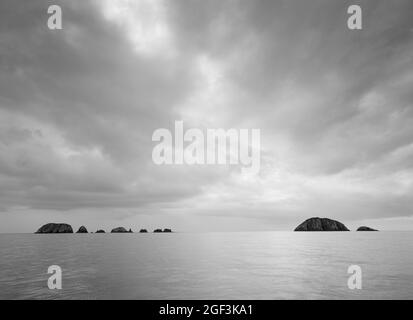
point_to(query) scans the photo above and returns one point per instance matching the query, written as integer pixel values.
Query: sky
(78, 108)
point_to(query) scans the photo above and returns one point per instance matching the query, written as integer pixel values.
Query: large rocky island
(321, 224)
(55, 228)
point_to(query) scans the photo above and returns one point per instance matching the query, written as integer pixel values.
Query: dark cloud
(78, 107)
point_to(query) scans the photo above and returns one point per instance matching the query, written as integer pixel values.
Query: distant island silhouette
(82, 229)
(364, 228)
(325, 224)
(321, 224)
(67, 228)
(311, 224)
(55, 228)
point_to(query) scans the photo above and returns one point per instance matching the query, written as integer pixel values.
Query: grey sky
(78, 107)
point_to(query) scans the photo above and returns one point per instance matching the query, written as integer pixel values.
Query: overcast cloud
(78, 107)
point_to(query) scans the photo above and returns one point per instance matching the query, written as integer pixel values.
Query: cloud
(78, 107)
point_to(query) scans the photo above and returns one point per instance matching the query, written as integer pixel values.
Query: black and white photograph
(204, 150)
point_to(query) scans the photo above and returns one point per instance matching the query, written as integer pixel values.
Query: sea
(221, 265)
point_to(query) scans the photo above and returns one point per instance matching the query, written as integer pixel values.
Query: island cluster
(312, 224)
(67, 228)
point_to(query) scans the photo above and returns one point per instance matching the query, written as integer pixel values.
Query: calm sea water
(250, 265)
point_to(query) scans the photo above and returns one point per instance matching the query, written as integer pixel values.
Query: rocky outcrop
(82, 229)
(160, 230)
(364, 228)
(321, 224)
(119, 230)
(100, 231)
(55, 228)
(143, 231)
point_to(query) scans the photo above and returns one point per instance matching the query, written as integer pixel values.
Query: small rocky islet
(364, 228)
(67, 228)
(119, 230)
(82, 229)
